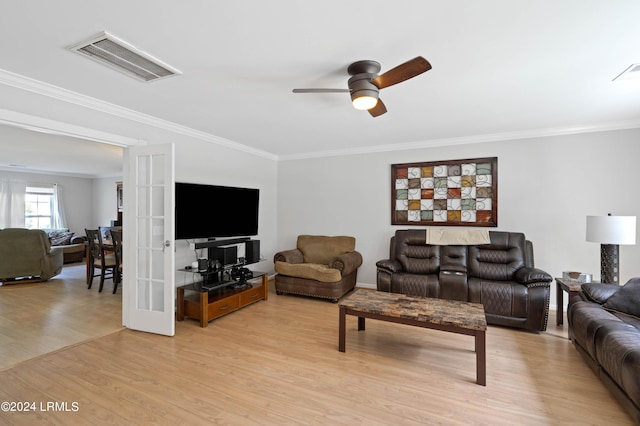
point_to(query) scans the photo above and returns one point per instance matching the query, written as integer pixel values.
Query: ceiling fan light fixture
(364, 95)
(364, 102)
(365, 82)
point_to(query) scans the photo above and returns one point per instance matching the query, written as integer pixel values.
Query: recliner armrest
(598, 292)
(346, 263)
(389, 265)
(532, 275)
(289, 256)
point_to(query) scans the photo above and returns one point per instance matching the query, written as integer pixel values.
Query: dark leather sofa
(500, 275)
(604, 326)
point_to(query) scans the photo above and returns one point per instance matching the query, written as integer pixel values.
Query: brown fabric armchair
(319, 266)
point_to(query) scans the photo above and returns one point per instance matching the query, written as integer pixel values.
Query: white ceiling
(30, 151)
(501, 68)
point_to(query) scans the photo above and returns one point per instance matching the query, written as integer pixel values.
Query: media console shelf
(206, 305)
(251, 247)
(217, 243)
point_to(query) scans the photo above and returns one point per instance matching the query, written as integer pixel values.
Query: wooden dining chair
(99, 259)
(116, 238)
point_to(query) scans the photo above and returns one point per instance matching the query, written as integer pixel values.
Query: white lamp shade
(611, 229)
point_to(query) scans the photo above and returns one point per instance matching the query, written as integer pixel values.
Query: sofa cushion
(420, 285)
(618, 353)
(586, 318)
(73, 248)
(321, 249)
(626, 300)
(499, 260)
(415, 256)
(312, 271)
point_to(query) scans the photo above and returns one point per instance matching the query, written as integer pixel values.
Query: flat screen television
(211, 211)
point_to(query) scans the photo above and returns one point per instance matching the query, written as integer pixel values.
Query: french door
(148, 292)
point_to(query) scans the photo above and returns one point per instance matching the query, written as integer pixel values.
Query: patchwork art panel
(453, 192)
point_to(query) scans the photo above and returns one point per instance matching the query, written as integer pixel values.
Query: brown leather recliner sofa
(320, 266)
(73, 246)
(604, 326)
(500, 275)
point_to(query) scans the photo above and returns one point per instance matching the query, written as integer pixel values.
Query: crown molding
(40, 124)
(45, 89)
(44, 125)
(36, 171)
(466, 140)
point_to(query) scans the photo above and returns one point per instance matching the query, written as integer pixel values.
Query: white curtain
(12, 194)
(59, 218)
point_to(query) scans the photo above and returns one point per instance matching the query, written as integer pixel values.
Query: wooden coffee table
(446, 315)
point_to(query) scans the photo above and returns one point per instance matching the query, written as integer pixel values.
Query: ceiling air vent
(122, 56)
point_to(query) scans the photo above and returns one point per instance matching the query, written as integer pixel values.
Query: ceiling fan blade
(321, 90)
(403, 72)
(379, 109)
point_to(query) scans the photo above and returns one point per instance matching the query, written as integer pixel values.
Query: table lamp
(610, 231)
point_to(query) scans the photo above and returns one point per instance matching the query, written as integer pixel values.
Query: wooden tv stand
(208, 305)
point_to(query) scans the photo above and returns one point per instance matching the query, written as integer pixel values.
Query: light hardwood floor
(38, 318)
(276, 362)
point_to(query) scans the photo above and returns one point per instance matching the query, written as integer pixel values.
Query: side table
(572, 287)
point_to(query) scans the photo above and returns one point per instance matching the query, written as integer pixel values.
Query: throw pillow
(321, 249)
(627, 299)
(60, 238)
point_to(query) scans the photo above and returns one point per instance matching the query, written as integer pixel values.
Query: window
(38, 212)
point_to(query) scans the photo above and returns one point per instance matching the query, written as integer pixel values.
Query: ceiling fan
(365, 83)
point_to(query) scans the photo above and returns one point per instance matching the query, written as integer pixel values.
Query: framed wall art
(445, 193)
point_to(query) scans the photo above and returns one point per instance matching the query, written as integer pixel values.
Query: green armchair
(27, 253)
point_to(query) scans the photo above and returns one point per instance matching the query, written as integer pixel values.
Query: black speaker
(226, 255)
(203, 264)
(252, 251)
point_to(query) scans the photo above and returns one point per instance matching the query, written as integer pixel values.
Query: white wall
(546, 188)
(207, 163)
(76, 194)
(88, 202)
(104, 200)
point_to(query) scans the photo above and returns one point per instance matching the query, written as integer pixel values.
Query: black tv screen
(210, 211)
